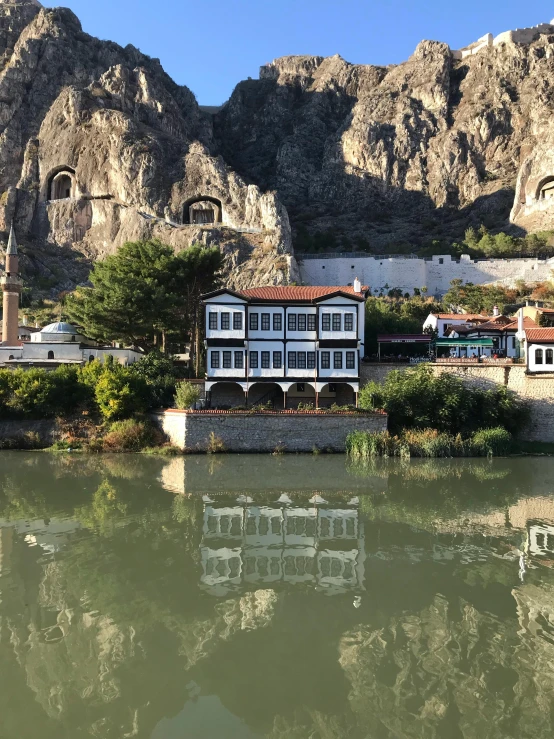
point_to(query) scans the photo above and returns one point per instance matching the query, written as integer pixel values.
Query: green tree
(158, 371)
(186, 395)
(146, 295)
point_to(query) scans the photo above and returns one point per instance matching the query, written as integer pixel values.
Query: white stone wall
(407, 274)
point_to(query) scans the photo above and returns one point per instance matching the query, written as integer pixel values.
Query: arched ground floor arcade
(280, 395)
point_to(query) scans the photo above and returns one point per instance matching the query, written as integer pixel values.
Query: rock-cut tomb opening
(545, 190)
(202, 210)
(61, 185)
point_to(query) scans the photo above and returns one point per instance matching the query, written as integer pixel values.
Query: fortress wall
(407, 274)
(523, 35)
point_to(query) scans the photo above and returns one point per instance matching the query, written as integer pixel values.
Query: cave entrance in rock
(61, 184)
(202, 210)
(545, 190)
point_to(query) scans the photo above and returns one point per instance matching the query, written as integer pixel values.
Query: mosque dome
(59, 328)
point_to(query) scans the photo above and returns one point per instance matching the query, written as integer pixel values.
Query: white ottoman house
(284, 345)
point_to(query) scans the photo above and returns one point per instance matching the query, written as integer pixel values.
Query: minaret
(11, 286)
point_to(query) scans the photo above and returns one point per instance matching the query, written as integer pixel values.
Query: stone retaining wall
(45, 431)
(243, 432)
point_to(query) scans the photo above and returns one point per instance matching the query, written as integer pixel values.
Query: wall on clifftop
(406, 273)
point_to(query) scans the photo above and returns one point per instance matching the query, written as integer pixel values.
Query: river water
(292, 597)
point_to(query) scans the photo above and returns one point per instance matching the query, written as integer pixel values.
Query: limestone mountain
(99, 146)
(403, 153)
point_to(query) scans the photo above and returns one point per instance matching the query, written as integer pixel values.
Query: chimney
(357, 285)
(24, 320)
(495, 311)
(520, 329)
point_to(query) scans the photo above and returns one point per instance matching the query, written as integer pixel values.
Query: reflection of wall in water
(269, 545)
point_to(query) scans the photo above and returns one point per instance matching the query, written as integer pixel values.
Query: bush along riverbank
(95, 408)
(416, 399)
(429, 443)
(438, 416)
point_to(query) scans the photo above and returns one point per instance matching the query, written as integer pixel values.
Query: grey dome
(59, 328)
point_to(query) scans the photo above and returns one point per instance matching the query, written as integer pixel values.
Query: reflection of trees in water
(424, 492)
(103, 636)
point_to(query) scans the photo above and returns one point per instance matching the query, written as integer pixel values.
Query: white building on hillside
(539, 349)
(61, 343)
(284, 345)
(444, 323)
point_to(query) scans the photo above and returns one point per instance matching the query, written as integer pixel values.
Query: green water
(283, 597)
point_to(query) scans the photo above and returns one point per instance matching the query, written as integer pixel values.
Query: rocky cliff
(404, 153)
(98, 146)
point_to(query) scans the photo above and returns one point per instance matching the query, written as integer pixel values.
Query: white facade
(540, 357)
(443, 322)
(287, 544)
(289, 338)
(62, 344)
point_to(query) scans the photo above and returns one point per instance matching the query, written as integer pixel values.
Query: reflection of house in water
(540, 539)
(263, 544)
(51, 535)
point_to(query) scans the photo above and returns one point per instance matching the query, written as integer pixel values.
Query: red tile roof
(545, 335)
(292, 292)
(461, 316)
(527, 324)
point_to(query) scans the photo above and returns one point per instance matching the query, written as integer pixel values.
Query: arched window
(61, 184)
(11, 357)
(545, 190)
(202, 209)
(91, 358)
(50, 355)
(549, 356)
(538, 356)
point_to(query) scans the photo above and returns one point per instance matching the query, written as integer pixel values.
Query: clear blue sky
(211, 45)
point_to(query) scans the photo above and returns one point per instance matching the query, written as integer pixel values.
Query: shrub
(495, 442)
(261, 407)
(131, 435)
(428, 443)
(365, 444)
(65, 446)
(186, 395)
(119, 394)
(215, 444)
(158, 371)
(416, 399)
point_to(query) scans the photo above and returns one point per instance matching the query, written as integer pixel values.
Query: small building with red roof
(443, 323)
(539, 345)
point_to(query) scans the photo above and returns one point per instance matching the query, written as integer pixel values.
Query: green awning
(469, 343)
